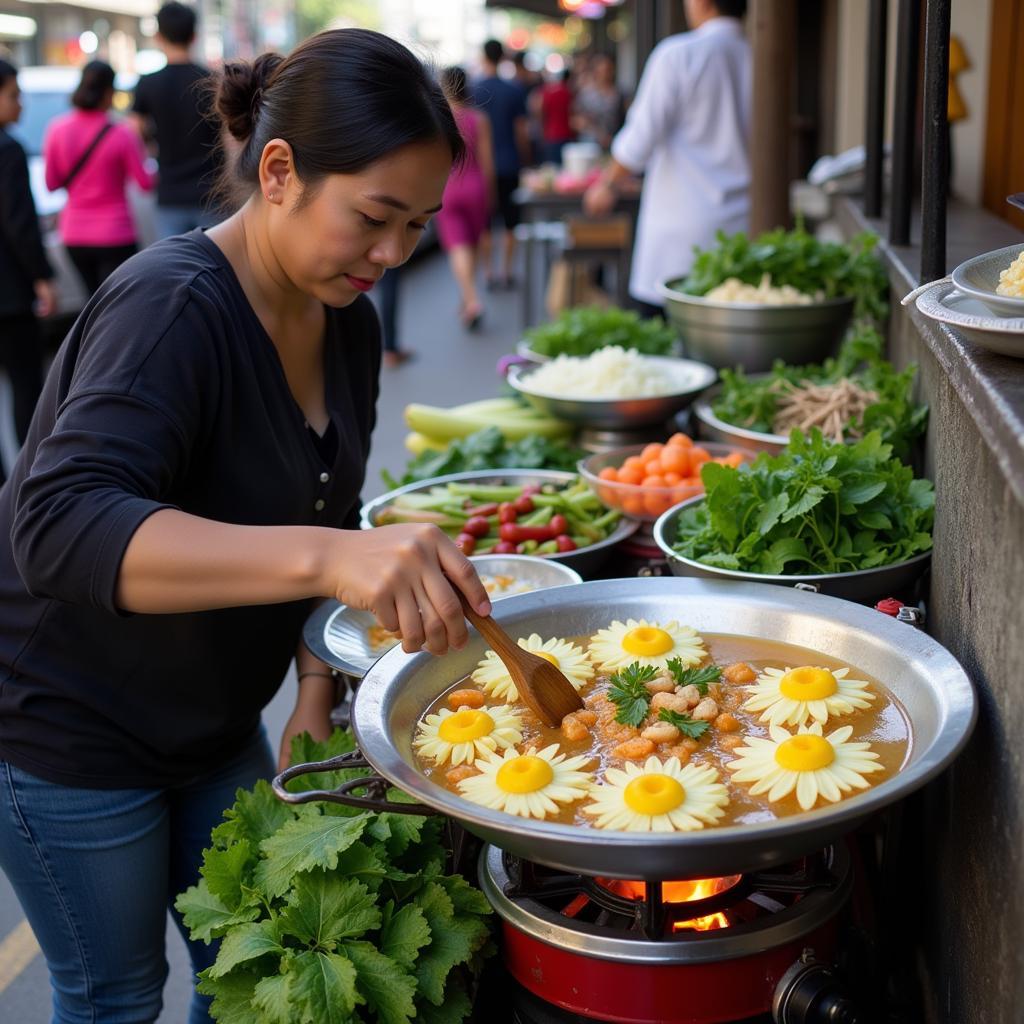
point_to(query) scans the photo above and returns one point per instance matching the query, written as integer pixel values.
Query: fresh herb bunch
(798, 259)
(329, 915)
(702, 678)
(488, 449)
(816, 507)
(585, 329)
(690, 727)
(629, 693)
(753, 402)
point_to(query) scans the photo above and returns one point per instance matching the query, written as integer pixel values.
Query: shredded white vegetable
(764, 294)
(610, 372)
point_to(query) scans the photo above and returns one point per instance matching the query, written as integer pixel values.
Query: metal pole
(904, 126)
(935, 176)
(874, 134)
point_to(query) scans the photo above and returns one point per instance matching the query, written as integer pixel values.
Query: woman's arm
(317, 692)
(404, 575)
(134, 160)
(51, 161)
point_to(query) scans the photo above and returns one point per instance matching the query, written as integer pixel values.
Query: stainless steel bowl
(338, 634)
(978, 277)
(620, 413)
(754, 336)
(942, 302)
(714, 429)
(584, 560)
(865, 586)
(923, 676)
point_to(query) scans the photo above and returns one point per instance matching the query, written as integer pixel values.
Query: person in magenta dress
(465, 213)
(94, 158)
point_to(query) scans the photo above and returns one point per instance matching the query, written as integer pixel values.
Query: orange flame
(679, 892)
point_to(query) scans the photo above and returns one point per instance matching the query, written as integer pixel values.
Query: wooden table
(538, 207)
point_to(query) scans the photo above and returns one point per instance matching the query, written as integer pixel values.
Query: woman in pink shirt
(93, 158)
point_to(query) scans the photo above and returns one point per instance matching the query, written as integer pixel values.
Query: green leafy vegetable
(585, 329)
(798, 259)
(699, 677)
(488, 449)
(753, 403)
(629, 693)
(691, 727)
(327, 915)
(816, 507)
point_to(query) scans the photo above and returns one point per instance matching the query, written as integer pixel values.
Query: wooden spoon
(542, 687)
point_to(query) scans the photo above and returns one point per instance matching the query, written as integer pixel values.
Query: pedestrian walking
(94, 158)
(504, 103)
(462, 220)
(173, 105)
(189, 488)
(556, 104)
(26, 279)
(600, 108)
(688, 130)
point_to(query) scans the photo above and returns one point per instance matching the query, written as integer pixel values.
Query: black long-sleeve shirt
(167, 393)
(22, 257)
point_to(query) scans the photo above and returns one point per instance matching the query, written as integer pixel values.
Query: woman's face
(356, 226)
(10, 102)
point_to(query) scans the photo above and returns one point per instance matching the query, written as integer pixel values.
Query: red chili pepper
(490, 509)
(504, 547)
(507, 512)
(517, 534)
(466, 542)
(558, 524)
(476, 526)
(565, 542)
(523, 505)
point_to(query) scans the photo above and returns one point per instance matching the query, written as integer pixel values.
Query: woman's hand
(405, 575)
(312, 714)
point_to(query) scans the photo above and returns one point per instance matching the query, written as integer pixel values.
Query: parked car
(46, 94)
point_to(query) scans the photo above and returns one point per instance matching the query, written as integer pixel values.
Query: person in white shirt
(688, 131)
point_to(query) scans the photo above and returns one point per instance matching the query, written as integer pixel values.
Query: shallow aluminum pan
(865, 586)
(978, 277)
(947, 305)
(584, 560)
(337, 634)
(620, 413)
(753, 335)
(926, 678)
(714, 429)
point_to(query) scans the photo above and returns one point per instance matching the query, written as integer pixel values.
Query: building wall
(971, 23)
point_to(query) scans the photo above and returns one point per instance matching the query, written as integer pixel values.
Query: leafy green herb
(329, 914)
(629, 693)
(798, 259)
(754, 402)
(688, 726)
(699, 677)
(488, 449)
(585, 329)
(816, 507)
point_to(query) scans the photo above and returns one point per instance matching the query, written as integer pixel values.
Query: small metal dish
(865, 586)
(340, 635)
(715, 429)
(978, 278)
(753, 335)
(946, 304)
(689, 379)
(584, 560)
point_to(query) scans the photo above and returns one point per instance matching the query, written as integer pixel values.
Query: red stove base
(628, 993)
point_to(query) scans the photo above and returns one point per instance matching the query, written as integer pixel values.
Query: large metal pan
(925, 677)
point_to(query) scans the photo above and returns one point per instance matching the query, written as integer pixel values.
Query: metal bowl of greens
(865, 586)
(430, 501)
(754, 336)
(714, 429)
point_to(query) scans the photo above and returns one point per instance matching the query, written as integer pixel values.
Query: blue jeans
(95, 871)
(179, 220)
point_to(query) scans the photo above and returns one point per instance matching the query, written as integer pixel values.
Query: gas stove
(696, 951)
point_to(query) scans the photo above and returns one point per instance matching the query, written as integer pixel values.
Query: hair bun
(239, 92)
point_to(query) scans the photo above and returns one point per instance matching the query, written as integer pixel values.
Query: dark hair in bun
(96, 82)
(342, 100)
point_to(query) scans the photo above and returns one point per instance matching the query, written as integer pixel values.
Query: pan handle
(377, 788)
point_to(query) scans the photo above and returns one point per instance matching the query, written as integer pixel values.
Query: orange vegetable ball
(653, 481)
(675, 459)
(609, 473)
(682, 440)
(652, 451)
